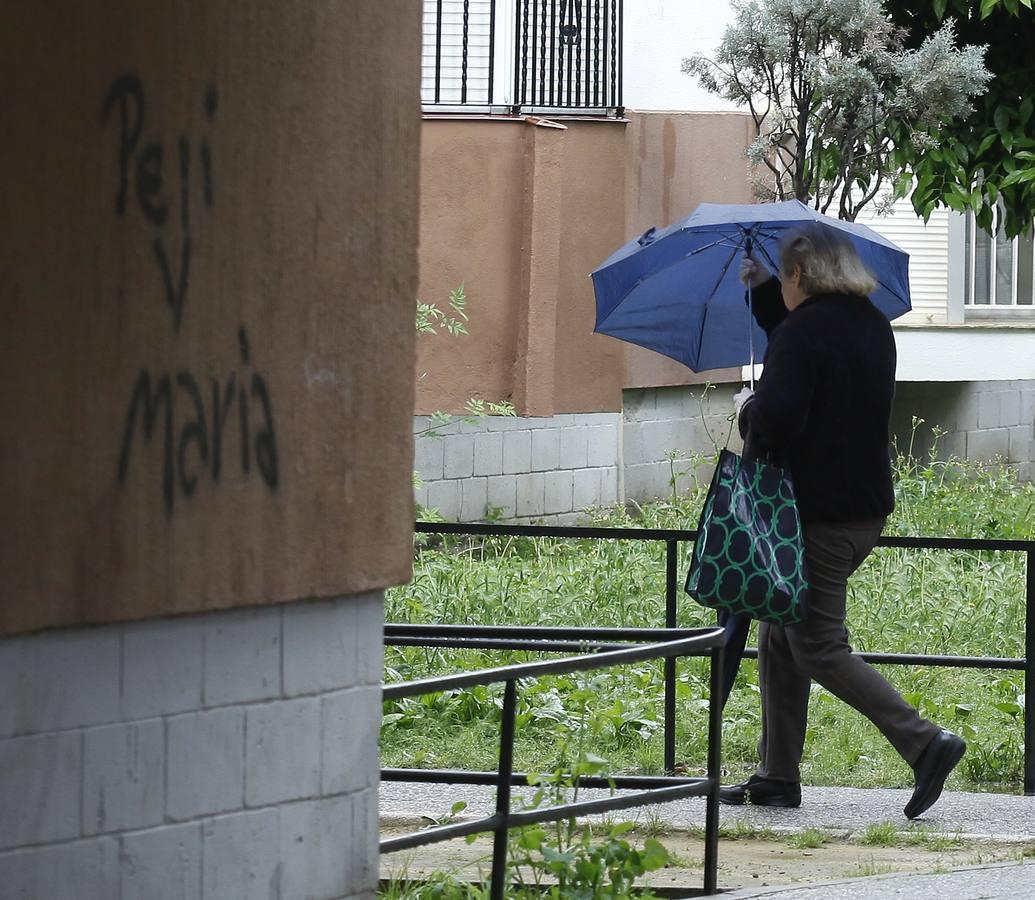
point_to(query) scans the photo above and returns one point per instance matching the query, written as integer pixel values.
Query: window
(520, 56)
(997, 271)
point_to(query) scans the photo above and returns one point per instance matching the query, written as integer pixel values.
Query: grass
(880, 834)
(809, 839)
(870, 868)
(900, 600)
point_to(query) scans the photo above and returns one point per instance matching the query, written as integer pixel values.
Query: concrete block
(966, 417)
(1020, 444)
(59, 680)
(665, 437)
(502, 495)
(162, 864)
(240, 856)
(531, 494)
(350, 720)
(204, 763)
(559, 488)
(459, 456)
(320, 646)
(988, 446)
(85, 870)
(517, 452)
(674, 403)
(420, 496)
(445, 497)
(315, 841)
(282, 752)
(574, 448)
(586, 488)
(370, 630)
(612, 420)
(488, 453)
(40, 789)
(953, 444)
(1027, 406)
(506, 423)
(123, 776)
(1010, 407)
(162, 667)
(647, 481)
(546, 450)
(365, 827)
(474, 495)
(603, 446)
(634, 448)
(429, 457)
(242, 656)
(638, 404)
(989, 410)
(609, 494)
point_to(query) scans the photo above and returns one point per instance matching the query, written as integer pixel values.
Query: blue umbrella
(677, 290)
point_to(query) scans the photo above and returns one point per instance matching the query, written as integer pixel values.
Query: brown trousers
(790, 658)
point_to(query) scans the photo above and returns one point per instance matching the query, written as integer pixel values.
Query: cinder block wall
(554, 468)
(523, 467)
(665, 432)
(204, 757)
(985, 421)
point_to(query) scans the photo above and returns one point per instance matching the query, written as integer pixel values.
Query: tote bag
(749, 556)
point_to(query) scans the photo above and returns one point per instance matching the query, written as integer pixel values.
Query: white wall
(928, 249)
(220, 756)
(658, 35)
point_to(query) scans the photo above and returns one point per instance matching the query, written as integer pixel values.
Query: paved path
(1010, 880)
(1002, 817)
(841, 811)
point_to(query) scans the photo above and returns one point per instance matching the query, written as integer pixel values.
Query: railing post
(1029, 674)
(711, 815)
(499, 839)
(671, 589)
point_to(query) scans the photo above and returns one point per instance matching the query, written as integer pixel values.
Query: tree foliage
(985, 161)
(833, 89)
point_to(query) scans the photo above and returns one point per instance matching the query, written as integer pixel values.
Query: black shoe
(932, 768)
(758, 791)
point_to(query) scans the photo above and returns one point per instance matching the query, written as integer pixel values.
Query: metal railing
(541, 638)
(649, 790)
(546, 55)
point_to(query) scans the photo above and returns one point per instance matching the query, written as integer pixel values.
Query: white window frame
(963, 234)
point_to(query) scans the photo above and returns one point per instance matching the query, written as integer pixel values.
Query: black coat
(823, 403)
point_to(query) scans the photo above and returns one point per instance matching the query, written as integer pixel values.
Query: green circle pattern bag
(749, 556)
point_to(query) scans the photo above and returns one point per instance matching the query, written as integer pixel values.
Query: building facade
(525, 194)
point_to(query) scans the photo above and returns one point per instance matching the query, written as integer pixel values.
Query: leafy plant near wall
(452, 322)
(984, 160)
(834, 91)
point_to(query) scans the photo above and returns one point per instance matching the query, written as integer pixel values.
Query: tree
(833, 90)
(984, 162)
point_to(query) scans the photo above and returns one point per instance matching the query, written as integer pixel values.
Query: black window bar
(510, 638)
(693, 642)
(567, 55)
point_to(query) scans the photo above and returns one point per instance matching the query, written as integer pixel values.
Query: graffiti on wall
(188, 416)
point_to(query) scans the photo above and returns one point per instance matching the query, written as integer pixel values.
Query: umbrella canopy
(677, 290)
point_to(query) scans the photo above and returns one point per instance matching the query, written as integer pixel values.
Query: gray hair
(828, 261)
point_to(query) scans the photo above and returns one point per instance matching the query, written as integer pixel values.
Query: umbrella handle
(751, 340)
(748, 246)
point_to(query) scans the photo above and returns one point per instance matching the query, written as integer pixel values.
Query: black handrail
(495, 637)
(658, 790)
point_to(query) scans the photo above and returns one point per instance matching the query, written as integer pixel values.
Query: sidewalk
(1006, 880)
(1001, 819)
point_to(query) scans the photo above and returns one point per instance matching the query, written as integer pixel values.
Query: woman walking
(823, 407)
